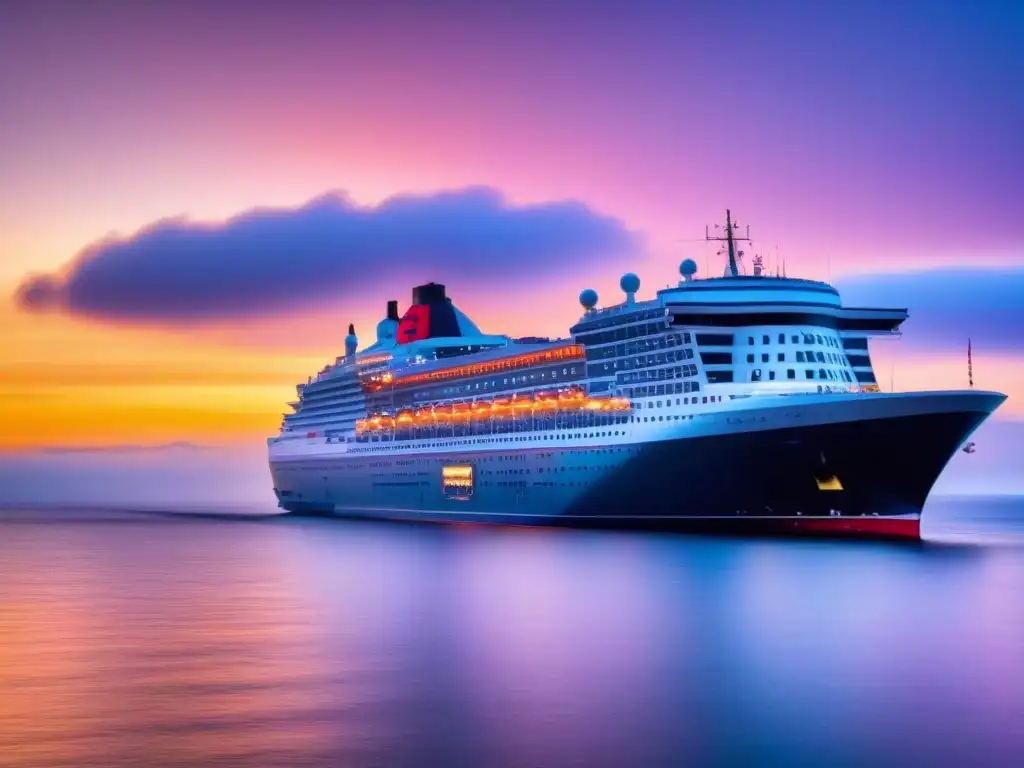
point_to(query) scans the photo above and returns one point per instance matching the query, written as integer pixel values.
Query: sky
(197, 198)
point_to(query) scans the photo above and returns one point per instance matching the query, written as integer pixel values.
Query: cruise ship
(745, 403)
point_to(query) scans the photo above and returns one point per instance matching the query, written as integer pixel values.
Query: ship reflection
(330, 643)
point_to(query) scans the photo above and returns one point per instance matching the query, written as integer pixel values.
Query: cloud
(267, 260)
(949, 305)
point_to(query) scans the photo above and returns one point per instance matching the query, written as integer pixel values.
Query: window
(750, 339)
(755, 375)
(821, 373)
(809, 373)
(782, 357)
(771, 375)
(764, 339)
(716, 358)
(782, 338)
(817, 338)
(800, 356)
(764, 357)
(750, 358)
(790, 373)
(795, 339)
(713, 339)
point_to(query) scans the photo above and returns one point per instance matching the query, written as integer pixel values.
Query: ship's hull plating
(865, 476)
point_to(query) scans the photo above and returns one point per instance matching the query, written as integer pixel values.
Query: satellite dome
(588, 298)
(387, 330)
(629, 283)
(688, 268)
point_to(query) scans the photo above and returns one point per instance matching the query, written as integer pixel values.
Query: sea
(153, 637)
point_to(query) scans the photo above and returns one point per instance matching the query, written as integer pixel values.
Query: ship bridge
(776, 301)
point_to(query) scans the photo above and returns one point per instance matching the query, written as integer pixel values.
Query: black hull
(866, 477)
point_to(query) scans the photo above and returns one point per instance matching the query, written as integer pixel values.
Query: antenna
(970, 366)
(731, 239)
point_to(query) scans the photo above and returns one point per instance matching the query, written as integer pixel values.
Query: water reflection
(321, 642)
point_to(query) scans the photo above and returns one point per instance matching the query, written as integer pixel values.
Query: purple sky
(862, 138)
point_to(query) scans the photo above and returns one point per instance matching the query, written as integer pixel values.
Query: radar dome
(588, 298)
(629, 283)
(688, 268)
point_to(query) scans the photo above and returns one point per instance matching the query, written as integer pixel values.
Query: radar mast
(731, 239)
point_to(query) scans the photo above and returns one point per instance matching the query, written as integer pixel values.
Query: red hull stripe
(901, 527)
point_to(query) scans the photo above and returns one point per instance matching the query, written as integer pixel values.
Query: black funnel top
(393, 311)
(428, 294)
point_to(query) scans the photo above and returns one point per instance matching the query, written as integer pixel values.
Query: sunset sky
(197, 198)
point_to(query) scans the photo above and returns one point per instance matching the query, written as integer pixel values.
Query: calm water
(132, 639)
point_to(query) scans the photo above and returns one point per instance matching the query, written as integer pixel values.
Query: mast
(730, 239)
(970, 367)
(733, 270)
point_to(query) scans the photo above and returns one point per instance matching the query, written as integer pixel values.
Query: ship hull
(810, 471)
